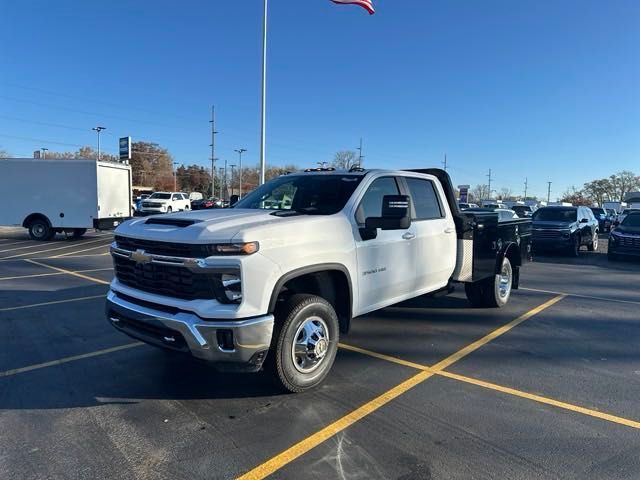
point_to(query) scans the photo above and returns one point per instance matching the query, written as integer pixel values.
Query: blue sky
(541, 89)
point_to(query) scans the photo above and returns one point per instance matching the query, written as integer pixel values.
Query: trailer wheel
(40, 230)
(78, 232)
(305, 342)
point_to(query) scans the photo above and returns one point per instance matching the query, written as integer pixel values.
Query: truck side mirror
(396, 214)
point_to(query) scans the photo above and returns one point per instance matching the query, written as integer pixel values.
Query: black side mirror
(396, 214)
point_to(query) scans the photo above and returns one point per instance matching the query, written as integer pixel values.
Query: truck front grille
(161, 279)
(633, 242)
(547, 234)
(163, 248)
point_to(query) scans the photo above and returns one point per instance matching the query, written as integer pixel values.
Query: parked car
(203, 204)
(196, 196)
(504, 214)
(165, 202)
(604, 221)
(258, 283)
(493, 205)
(523, 211)
(464, 205)
(624, 240)
(626, 212)
(565, 228)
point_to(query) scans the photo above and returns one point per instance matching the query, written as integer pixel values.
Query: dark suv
(604, 221)
(565, 228)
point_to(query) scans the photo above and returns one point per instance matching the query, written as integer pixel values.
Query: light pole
(175, 177)
(263, 115)
(240, 152)
(44, 152)
(98, 130)
(232, 171)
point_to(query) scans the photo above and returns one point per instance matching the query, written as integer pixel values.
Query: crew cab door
(435, 242)
(386, 264)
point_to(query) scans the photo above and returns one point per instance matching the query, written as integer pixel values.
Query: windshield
(598, 211)
(161, 196)
(310, 194)
(521, 208)
(631, 220)
(555, 215)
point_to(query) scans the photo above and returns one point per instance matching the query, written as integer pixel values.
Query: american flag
(366, 4)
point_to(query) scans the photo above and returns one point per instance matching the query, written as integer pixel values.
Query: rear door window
(425, 199)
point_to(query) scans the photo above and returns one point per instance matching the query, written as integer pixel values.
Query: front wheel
(169, 209)
(39, 229)
(305, 342)
(593, 244)
(574, 250)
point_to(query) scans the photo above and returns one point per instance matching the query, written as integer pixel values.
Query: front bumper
(230, 344)
(552, 243)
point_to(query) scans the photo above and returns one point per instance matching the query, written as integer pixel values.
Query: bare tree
(505, 194)
(479, 192)
(345, 159)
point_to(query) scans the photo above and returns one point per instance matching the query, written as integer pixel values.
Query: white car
(280, 275)
(165, 202)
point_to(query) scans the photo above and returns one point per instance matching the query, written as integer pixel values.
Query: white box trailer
(48, 196)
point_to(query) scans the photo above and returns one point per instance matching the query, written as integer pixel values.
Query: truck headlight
(246, 248)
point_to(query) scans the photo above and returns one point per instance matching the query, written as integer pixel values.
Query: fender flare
(320, 267)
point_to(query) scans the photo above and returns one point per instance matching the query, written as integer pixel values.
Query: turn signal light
(237, 248)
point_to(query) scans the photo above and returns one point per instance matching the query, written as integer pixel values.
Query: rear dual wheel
(492, 292)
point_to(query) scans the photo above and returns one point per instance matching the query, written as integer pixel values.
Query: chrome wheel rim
(310, 344)
(504, 281)
(595, 242)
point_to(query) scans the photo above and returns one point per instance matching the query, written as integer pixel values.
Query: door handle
(448, 230)
(408, 235)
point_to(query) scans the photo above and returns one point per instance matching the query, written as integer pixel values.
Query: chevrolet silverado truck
(272, 282)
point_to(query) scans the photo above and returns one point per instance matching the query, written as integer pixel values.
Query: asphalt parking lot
(546, 387)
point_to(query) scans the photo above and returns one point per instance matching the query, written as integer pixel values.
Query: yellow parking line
(71, 245)
(80, 251)
(540, 399)
(44, 304)
(15, 371)
(69, 272)
(12, 243)
(75, 256)
(19, 277)
(276, 463)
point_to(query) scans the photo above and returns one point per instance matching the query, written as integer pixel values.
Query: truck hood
(208, 226)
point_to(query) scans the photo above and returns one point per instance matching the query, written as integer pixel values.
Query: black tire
(574, 249)
(592, 246)
(169, 209)
(300, 315)
(78, 233)
(40, 230)
(475, 294)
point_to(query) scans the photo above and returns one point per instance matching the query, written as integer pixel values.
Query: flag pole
(264, 94)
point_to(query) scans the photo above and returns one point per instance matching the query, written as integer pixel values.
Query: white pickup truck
(274, 281)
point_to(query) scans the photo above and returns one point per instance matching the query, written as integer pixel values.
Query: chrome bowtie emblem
(140, 257)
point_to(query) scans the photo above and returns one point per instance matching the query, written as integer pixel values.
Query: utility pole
(548, 192)
(444, 163)
(44, 152)
(232, 175)
(526, 184)
(240, 152)
(213, 151)
(98, 129)
(226, 188)
(360, 156)
(489, 175)
(263, 115)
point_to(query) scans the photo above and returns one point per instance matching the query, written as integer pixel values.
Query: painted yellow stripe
(71, 245)
(44, 304)
(18, 277)
(275, 463)
(541, 399)
(382, 356)
(69, 272)
(495, 334)
(578, 295)
(329, 431)
(38, 366)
